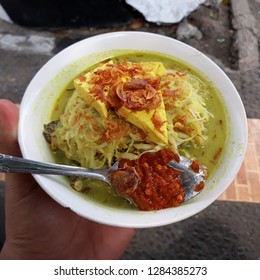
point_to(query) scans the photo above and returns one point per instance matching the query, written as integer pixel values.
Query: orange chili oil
(159, 184)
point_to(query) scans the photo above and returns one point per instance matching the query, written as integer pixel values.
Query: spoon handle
(11, 164)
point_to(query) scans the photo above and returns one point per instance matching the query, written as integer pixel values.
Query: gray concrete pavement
(236, 48)
(213, 234)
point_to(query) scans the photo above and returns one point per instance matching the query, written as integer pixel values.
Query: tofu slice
(83, 88)
(153, 69)
(144, 120)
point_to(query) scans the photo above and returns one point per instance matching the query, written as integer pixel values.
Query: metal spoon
(190, 179)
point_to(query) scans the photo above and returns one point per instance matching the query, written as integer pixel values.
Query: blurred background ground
(228, 32)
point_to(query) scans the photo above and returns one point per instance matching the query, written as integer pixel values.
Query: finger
(9, 116)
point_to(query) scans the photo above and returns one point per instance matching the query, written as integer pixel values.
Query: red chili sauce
(159, 185)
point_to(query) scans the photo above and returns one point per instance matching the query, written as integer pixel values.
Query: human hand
(39, 228)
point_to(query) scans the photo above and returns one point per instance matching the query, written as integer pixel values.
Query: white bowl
(63, 67)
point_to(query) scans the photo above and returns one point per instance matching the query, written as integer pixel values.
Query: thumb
(9, 116)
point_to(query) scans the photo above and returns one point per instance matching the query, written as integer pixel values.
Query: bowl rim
(126, 218)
